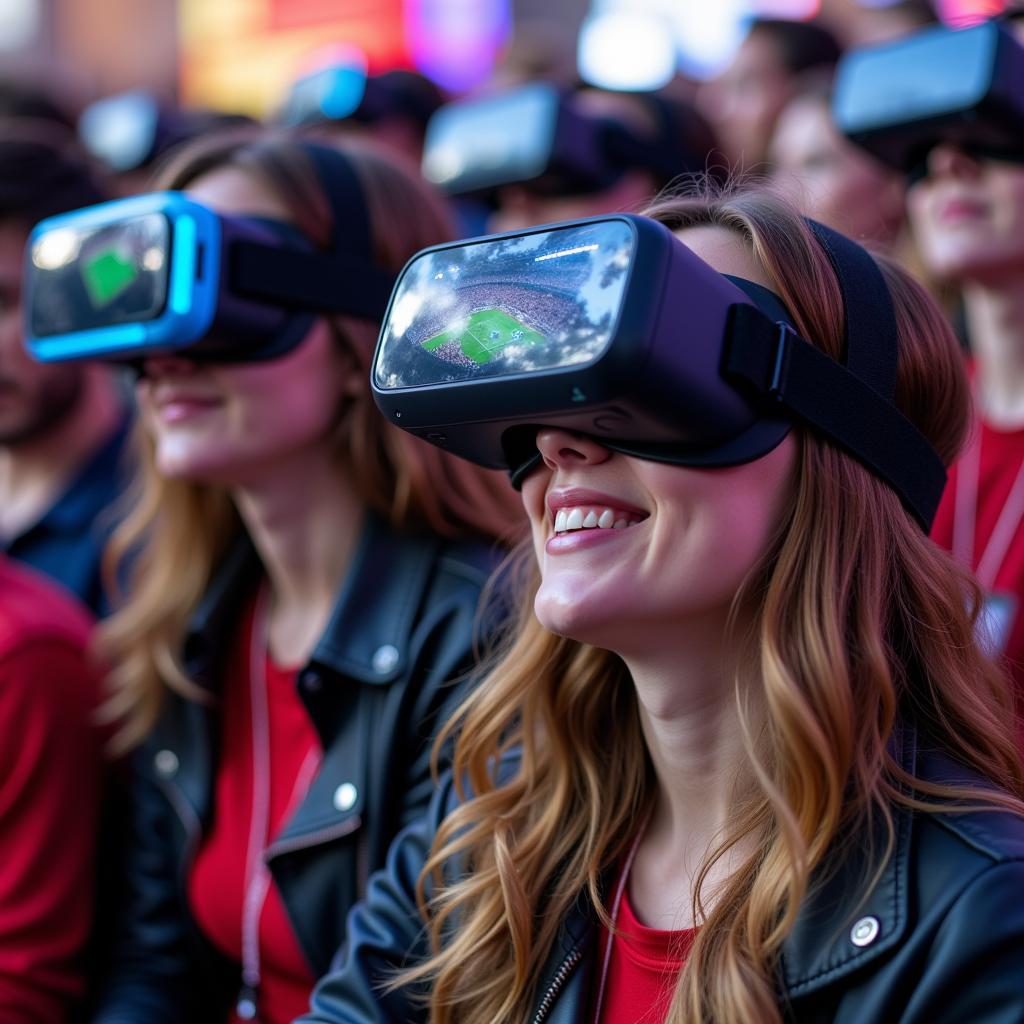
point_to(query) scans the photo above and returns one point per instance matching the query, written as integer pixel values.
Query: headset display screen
(505, 306)
(899, 82)
(98, 276)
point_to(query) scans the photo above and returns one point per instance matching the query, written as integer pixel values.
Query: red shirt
(999, 462)
(218, 882)
(643, 969)
(50, 780)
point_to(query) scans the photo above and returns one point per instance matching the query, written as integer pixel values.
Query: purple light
(456, 42)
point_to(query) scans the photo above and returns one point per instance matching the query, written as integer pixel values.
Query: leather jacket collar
(840, 927)
(359, 641)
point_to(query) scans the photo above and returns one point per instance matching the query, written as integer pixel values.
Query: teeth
(589, 519)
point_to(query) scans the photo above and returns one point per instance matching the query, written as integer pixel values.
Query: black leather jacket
(938, 939)
(377, 686)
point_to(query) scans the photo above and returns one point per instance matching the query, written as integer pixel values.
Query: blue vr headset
(162, 273)
(612, 327)
(966, 87)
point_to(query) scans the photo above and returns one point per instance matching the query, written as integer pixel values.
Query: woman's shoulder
(985, 836)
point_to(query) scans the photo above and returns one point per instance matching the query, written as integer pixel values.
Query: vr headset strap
(869, 323)
(784, 368)
(342, 280)
(323, 282)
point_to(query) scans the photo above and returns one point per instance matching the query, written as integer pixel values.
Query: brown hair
(860, 620)
(178, 530)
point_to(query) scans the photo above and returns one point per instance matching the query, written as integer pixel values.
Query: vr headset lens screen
(93, 277)
(517, 305)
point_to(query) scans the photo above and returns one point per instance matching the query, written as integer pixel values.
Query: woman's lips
(178, 408)
(954, 211)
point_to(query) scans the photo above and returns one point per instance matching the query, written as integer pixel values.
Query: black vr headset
(162, 273)
(964, 87)
(610, 326)
(534, 136)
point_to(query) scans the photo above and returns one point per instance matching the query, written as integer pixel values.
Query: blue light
(183, 267)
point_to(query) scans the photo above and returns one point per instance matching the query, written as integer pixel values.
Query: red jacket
(50, 773)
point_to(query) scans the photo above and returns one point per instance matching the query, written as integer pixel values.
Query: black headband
(348, 280)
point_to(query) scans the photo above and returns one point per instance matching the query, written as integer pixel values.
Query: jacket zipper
(343, 828)
(565, 968)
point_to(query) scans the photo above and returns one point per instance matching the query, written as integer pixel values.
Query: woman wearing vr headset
(742, 760)
(967, 213)
(300, 615)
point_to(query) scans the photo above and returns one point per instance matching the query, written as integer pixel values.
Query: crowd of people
(672, 687)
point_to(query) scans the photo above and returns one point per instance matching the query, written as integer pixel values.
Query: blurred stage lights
(626, 50)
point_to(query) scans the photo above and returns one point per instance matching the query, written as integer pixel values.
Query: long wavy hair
(177, 531)
(860, 620)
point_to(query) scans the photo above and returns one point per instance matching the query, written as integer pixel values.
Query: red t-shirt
(218, 881)
(999, 462)
(643, 969)
(51, 768)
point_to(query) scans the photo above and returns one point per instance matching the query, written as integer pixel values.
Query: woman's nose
(947, 160)
(565, 449)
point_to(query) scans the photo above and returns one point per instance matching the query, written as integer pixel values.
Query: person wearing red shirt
(50, 786)
(742, 760)
(967, 214)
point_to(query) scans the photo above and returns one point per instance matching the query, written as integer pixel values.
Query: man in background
(62, 426)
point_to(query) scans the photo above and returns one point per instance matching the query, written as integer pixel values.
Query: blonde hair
(177, 531)
(860, 620)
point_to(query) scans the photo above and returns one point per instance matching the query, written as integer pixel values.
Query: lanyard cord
(616, 906)
(257, 873)
(965, 517)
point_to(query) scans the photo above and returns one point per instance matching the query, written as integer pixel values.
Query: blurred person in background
(393, 109)
(130, 133)
(299, 618)
(50, 797)
(62, 426)
(829, 178)
(681, 141)
(744, 101)
(967, 215)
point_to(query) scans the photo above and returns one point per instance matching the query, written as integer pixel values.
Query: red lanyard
(965, 517)
(616, 907)
(257, 873)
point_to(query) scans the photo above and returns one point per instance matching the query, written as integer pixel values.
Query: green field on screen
(487, 333)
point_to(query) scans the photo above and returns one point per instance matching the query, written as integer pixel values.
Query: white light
(153, 258)
(626, 50)
(19, 23)
(405, 311)
(565, 252)
(709, 34)
(56, 249)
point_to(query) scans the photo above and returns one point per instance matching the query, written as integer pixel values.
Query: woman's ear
(351, 366)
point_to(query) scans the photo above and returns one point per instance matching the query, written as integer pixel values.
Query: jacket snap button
(311, 682)
(345, 797)
(865, 931)
(166, 763)
(385, 658)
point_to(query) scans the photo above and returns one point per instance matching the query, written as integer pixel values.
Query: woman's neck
(304, 521)
(995, 325)
(695, 737)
